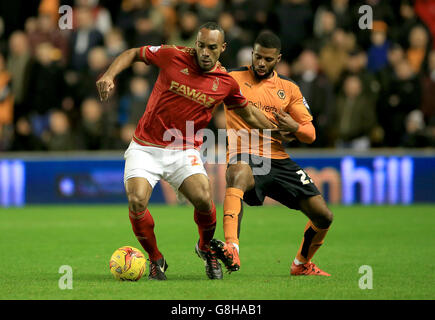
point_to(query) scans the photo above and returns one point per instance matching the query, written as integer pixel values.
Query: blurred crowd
(366, 88)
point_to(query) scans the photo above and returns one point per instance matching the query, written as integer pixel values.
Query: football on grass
(127, 263)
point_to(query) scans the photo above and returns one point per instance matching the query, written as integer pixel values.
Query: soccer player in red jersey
(165, 145)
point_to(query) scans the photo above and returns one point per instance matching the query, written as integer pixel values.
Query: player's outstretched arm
(105, 84)
(255, 118)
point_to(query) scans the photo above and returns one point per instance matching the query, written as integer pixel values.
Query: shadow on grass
(108, 277)
(93, 277)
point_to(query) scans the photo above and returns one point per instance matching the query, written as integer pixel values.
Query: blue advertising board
(368, 179)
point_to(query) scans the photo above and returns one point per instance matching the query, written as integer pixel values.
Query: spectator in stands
(46, 86)
(333, 56)
(252, 16)
(357, 65)
(208, 10)
(319, 93)
(234, 37)
(92, 130)
(355, 115)
(83, 39)
(6, 97)
(145, 33)
(415, 135)
(408, 20)
(114, 42)
(24, 139)
(396, 54)
(428, 90)
(341, 10)
(98, 61)
(162, 15)
(46, 30)
(418, 48)
(295, 24)
(59, 137)
(51, 8)
(100, 15)
(324, 25)
(403, 96)
(377, 53)
(185, 34)
(132, 105)
(18, 64)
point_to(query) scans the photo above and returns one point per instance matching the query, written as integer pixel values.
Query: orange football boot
(307, 269)
(227, 253)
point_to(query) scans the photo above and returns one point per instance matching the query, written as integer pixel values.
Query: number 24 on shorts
(305, 179)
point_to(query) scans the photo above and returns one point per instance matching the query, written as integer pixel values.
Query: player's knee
(202, 200)
(239, 177)
(325, 219)
(136, 203)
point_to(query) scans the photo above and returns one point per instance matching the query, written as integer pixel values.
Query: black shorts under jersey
(283, 180)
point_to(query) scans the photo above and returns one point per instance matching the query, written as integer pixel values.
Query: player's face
(264, 61)
(209, 46)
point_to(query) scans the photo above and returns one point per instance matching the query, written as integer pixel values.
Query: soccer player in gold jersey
(249, 179)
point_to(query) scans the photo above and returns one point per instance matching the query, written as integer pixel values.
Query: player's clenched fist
(104, 86)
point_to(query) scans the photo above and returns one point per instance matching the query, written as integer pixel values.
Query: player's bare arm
(255, 118)
(106, 84)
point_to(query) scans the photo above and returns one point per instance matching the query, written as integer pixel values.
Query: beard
(265, 76)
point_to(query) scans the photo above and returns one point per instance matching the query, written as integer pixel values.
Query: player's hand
(105, 85)
(287, 136)
(286, 122)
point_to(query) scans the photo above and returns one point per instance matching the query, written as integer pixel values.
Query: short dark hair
(212, 26)
(268, 39)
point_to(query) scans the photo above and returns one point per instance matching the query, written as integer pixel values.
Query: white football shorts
(153, 164)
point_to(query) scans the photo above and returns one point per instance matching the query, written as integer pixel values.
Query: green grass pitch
(395, 241)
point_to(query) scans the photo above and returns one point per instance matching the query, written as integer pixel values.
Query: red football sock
(206, 222)
(143, 227)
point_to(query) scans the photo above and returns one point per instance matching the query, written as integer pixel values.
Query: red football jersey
(183, 92)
